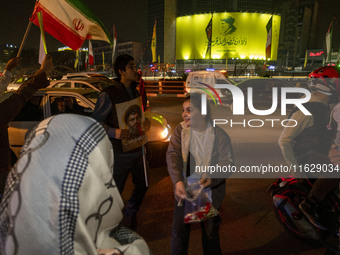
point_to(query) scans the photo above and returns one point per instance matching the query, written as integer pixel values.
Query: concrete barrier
(160, 87)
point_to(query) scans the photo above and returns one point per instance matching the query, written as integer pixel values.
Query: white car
(94, 83)
(44, 104)
(200, 81)
(17, 83)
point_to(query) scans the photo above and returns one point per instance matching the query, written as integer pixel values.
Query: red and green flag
(70, 22)
(91, 55)
(269, 38)
(329, 36)
(208, 31)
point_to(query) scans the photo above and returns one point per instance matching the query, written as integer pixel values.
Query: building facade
(304, 24)
(166, 12)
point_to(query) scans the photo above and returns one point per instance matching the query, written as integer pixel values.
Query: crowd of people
(71, 203)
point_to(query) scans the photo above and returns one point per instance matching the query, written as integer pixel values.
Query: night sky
(129, 16)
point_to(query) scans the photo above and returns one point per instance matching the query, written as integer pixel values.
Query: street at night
(249, 224)
(169, 127)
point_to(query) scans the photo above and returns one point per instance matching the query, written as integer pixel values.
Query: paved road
(249, 226)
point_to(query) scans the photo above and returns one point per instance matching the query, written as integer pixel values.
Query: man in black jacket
(11, 107)
(123, 90)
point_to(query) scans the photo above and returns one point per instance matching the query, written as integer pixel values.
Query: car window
(92, 96)
(22, 79)
(68, 104)
(81, 85)
(102, 85)
(62, 85)
(32, 110)
(220, 79)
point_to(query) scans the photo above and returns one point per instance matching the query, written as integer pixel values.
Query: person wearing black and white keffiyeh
(61, 198)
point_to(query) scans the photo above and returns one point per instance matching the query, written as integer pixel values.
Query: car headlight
(159, 130)
(166, 133)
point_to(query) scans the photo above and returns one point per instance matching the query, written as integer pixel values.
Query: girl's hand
(205, 181)
(180, 190)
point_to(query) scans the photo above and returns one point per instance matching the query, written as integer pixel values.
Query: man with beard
(132, 118)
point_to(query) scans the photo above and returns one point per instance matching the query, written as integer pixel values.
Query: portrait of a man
(132, 119)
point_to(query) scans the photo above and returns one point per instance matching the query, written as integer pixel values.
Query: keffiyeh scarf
(60, 196)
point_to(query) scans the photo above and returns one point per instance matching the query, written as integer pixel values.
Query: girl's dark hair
(120, 63)
(196, 101)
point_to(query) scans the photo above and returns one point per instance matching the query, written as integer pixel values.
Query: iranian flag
(70, 22)
(329, 36)
(91, 55)
(269, 38)
(208, 31)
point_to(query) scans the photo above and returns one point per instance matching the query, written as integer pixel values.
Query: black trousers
(181, 233)
(131, 163)
(322, 186)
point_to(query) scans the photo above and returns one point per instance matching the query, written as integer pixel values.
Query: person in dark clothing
(11, 107)
(58, 106)
(309, 142)
(123, 90)
(71, 106)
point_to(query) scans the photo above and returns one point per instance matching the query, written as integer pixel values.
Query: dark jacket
(320, 136)
(222, 154)
(118, 94)
(11, 107)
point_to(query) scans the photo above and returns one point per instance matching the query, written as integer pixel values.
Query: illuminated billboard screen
(233, 35)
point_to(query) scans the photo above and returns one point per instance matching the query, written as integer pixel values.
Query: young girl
(196, 142)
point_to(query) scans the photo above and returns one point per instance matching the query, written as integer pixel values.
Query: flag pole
(144, 157)
(41, 26)
(145, 167)
(103, 56)
(114, 43)
(143, 101)
(24, 39)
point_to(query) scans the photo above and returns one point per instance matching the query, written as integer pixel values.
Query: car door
(29, 116)
(73, 103)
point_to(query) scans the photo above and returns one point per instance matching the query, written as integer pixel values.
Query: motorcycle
(287, 193)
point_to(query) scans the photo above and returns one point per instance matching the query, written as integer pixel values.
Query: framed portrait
(131, 117)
